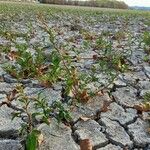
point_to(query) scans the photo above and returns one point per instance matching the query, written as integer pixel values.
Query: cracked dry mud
(120, 128)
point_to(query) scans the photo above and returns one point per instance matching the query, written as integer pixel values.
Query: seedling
(146, 41)
(32, 108)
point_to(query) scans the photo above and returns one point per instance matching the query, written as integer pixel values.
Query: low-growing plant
(62, 114)
(147, 97)
(28, 131)
(147, 58)
(26, 65)
(76, 87)
(34, 110)
(101, 43)
(72, 80)
(146, 41)
(53, 73)
(59, 65)
(110, 60)
(119, 35)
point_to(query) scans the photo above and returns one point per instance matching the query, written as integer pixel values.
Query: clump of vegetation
(147, 58)
(59, 66)
(30, 108)
(146, 41)
(26, 65)
(146, 97)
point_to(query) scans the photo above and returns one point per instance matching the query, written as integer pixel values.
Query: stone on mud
(144, 87)
(9, 79)
(8, 127)
(126, 96)
(111, 147)
(51, 95)
(119, 83)
(2, 97)
(139, 132)
(33, 91)
(147, 71)
(57, 137)
(90, 129)
(91, 108)
(116, 112)
(10, 145)
(116, 133)
(6, 87)
(2, 72)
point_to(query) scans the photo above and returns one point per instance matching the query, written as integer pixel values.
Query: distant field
(36, 7)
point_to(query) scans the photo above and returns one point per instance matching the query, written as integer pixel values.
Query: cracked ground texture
(121, 127)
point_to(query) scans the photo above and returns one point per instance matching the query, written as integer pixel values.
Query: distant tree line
(91, 3)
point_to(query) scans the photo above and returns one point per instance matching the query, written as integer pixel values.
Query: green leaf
(15, 115)
(32, 140)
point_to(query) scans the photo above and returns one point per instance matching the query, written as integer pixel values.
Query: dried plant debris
(86, 144)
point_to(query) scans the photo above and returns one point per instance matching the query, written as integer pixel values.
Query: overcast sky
(138, 2)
